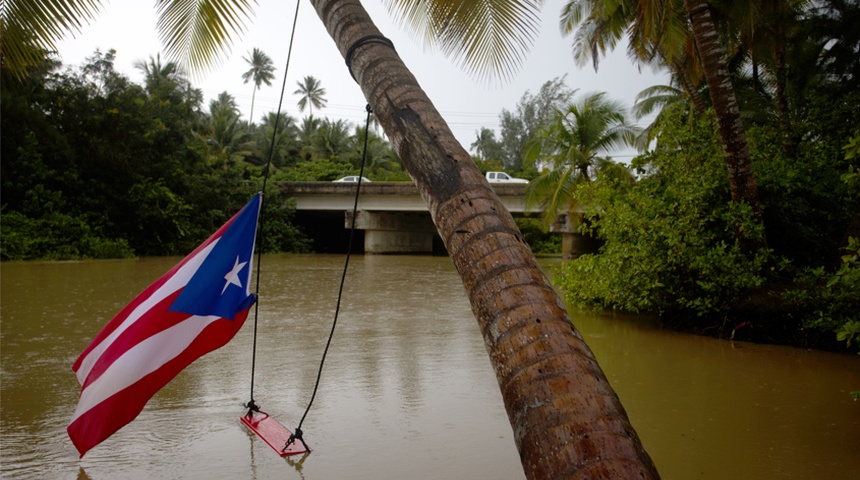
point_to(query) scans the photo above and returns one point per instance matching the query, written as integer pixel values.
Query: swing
(283, 441)
(277, 436)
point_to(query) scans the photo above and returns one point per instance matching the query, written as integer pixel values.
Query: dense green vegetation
(96, 166)
(688, 232)
(672, 241)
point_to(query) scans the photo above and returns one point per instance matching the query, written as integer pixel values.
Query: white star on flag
(233, 275)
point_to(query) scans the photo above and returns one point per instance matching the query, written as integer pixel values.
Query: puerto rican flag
(194, 308)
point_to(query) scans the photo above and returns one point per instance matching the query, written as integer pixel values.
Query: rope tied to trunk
(361, 41)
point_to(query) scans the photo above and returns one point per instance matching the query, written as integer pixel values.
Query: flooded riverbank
(407, 390)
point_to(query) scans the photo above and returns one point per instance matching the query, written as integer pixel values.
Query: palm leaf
(488, 38)
(655, 98)
(31, 28)
(198, 33)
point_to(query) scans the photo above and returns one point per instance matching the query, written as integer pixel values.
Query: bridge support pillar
(394, 232)
(573, 243)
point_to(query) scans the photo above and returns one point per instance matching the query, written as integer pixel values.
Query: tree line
(96, 166)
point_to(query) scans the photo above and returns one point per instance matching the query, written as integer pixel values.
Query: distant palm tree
(575, 146)
(312, 95)
(330, 140)
(167, 82)
(159, 78)
(262, 71)
(225, 136)
(484, 141)
(284, 151)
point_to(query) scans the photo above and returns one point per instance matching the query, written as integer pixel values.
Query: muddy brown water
(407, 390)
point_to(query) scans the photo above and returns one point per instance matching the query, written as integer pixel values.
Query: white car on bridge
(352, 179)
(502, 177)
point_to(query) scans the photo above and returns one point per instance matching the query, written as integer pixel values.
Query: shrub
(55, 236)
(538, 239)
(671, 241)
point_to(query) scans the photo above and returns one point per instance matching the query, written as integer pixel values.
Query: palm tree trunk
(735, 149)
(782, 94)
(253, 98)
(688, 87)
(567, 420)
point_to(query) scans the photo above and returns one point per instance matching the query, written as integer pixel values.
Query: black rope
(293, 438)
(251, 405)
(298, 434)
(361, 41)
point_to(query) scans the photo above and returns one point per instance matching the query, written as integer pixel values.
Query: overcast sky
(467, 103)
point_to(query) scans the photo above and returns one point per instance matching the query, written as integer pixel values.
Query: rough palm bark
(567, 420)
(781, 92)
(687, 85)
(735, 148)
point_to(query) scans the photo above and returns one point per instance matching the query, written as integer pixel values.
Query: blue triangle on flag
(220, 285)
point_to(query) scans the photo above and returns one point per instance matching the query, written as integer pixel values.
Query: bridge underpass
(391, 217)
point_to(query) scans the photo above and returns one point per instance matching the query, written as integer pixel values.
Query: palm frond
(654, 98)
(31, 28)
(488, 38)
(199, 33)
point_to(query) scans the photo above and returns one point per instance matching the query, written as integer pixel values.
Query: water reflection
(407, 389)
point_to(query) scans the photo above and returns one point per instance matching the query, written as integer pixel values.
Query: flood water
(407, 390)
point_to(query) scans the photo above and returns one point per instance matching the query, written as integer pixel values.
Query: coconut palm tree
(657, 98)
(160, 78)
(261, 71)
(667, 31)
(331, 140)
(567, 420)
(573, 147)
(306, 133)
(312, 95)
(534, 348)
(380, 155)
(284, 150)
(484, 142)
(224, 134)
(736, 151)
(30, 31)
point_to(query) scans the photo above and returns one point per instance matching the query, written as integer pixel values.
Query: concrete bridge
(393, 215)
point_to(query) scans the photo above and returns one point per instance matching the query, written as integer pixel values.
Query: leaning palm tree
(668, 30)
(573, 147)
(261, 71)
(567, 420)
(736, 152)
(312, 95)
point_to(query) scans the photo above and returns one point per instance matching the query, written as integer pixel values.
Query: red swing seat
(274, 434)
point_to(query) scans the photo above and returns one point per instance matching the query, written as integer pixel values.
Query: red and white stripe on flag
(147, 343)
